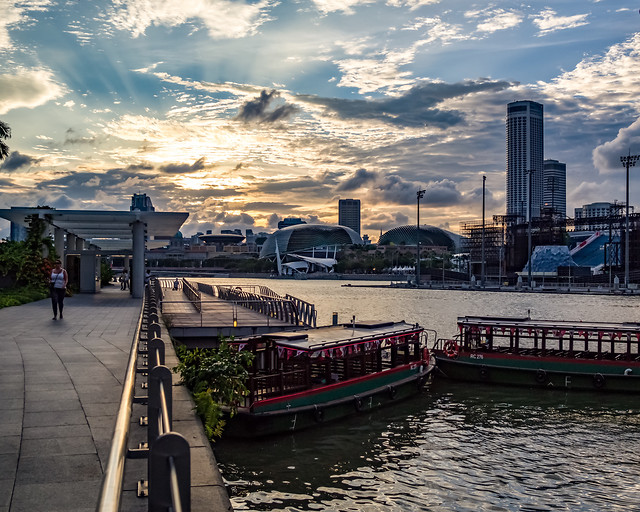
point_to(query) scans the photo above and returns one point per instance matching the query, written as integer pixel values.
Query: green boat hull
(313, 408)
(555, 373)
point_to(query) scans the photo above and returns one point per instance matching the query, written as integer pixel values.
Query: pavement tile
(11, 403)
(45, 469)
(54, 418)
(56, 497)
(8, 465)
(44, 432)
(52, 405)
(6, 490)
(57, 446)
(9, 444)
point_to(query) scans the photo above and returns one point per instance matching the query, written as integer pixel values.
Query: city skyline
(244, 113)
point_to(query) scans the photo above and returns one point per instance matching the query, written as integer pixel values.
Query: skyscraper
(554, 187)
(349, 213)
(525, 153)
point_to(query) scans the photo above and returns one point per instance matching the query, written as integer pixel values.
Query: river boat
(305, 378)
(546, 354)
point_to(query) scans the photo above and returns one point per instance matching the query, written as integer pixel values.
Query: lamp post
(419, 195)
(484, 179)
(627, 161)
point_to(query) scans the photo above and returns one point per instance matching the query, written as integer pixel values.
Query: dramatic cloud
(548, 21)
(17, 160)
(28, 88)
(223, 19)
(183, 168)
(262, 110)
(360, 179)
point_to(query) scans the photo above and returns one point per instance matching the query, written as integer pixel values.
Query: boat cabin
(290, 362)
(547, 338)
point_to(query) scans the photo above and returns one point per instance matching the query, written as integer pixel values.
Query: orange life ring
(451, 348)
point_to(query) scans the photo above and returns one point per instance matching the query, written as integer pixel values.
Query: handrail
(111, 489)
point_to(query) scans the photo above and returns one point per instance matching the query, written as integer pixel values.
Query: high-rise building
(554, 187)
(349, 213)
(525, 154)
(141, 203)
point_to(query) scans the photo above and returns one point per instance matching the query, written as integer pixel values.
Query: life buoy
(541, 376)
(598, 380)
(358, 402)
(318, 414)
(451, 348)
(425, 354)
(392, 392)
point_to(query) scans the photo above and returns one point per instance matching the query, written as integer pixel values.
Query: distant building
(290, 221)
(554, 187)
(349, 213)
(141, 203)
(525, 153)
(600, 213)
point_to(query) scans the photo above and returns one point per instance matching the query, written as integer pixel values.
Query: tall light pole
(484, 179)
(627, 161)
(419, 195)
(530, 172)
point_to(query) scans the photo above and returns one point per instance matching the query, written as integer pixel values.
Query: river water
(455, 447)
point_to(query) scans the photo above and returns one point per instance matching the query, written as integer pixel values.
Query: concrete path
(60, 387)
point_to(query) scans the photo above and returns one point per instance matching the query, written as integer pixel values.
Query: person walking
(58, 285)
(124, 280)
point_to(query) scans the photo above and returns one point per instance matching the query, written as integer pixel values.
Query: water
(454, 447)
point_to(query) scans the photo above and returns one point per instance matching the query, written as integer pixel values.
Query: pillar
(137, 270)
(58, 241)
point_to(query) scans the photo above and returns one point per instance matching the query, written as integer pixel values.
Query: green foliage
(17, 296)
(217, 378)
(106, 274)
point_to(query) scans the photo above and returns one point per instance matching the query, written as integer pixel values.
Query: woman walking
(58, 286)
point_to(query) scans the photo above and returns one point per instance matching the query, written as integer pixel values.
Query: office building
(525, 154)
(290, 221)
(554, 187)
(349, 213)
(141, 203)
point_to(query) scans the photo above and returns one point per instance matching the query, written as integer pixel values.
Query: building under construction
(506, 241)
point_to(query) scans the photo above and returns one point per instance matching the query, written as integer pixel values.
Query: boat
(301, 379)
(548, 354)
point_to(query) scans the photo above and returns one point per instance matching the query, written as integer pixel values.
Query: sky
(243, 113)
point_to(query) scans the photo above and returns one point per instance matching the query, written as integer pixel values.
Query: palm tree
(5, 133)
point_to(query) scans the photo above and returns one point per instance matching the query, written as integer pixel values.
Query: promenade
(60, 388)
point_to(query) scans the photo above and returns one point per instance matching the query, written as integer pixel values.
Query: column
(137, 271)
(58, 241)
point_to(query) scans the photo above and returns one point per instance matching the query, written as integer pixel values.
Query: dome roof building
(429, 236)
(306, 237)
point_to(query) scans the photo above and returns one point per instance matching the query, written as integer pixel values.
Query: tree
(5, 133)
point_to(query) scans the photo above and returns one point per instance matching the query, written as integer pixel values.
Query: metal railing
(167, 452)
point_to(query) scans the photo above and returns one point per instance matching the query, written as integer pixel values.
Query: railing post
(155, 349)
(160, 375)
(154, 330)
(170, 474)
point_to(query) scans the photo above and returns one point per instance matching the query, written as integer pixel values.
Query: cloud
(71, 139)
(415, 108)
(261, 110)
(359, 179)
(223, 19)
(548, 21)
(411, 4)
(183, 168)
(346, 6)
(606, 157)
(17, 160)
(28, 88)
(494, 20)
(16, 13)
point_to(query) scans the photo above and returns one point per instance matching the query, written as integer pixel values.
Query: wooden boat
(543, 353)
(304, 378)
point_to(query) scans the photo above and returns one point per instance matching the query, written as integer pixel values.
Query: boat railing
(263, 386)
(167, 452)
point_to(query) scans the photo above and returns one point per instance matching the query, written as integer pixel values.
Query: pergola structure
(91, 234)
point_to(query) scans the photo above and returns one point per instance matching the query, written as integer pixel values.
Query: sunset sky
(243, 113)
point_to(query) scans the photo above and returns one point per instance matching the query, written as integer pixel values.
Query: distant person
(176, 284)
(147, 277)
(58, 285)
(124, 280)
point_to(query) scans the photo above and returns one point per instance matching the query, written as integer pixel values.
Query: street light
(627, 161)
(419, 195)
(484, 179)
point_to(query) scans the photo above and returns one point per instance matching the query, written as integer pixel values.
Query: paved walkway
(60, 387)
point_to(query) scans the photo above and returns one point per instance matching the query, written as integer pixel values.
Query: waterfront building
(430, 238)
(349, 213)
(525, 154)
(554, 193)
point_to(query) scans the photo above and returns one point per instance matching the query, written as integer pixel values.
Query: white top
(57, 278)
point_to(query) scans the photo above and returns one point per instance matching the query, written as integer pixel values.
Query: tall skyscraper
(525, 153)
(554, 187)
(141, 203)
(349, 213)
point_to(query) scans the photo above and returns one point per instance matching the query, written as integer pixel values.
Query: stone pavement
(60, 387)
